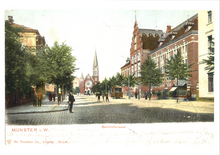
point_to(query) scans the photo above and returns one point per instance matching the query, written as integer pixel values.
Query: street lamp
(139, 90)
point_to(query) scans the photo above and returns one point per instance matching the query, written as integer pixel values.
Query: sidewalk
(190, 106)
(47, 106)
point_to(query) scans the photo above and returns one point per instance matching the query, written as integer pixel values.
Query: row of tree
(24, 70)
(150, 75)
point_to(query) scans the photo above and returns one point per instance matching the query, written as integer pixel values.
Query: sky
(106, 31)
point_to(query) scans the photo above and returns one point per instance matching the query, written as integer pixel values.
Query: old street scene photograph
(65, 67)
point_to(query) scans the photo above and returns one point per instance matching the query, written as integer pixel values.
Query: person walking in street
(50, 97)
(53, 96)
(35, 99)
(71, 100)
(136, 94)
(106, 95)
(146, 96)
(103, 96)
(98, 96)
(40, 97)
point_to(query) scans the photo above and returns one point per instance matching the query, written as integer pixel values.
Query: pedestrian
(35, 99)
(53, 96)
(103, 96)
(50, 97)
(106, 95)
(98, 96)
(71, 100)
(40, 97)
(136, 94)
(146, 96)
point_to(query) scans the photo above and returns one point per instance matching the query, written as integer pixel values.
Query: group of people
(37, 99)
(103, 96)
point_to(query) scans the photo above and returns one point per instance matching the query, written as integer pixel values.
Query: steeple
(95, 62)
(81, 78)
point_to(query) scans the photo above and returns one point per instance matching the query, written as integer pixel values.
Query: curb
(31, 112)
(37, 112)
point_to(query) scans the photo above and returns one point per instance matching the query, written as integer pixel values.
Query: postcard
(134, 78)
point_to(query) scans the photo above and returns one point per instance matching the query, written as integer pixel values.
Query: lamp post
(139, 90)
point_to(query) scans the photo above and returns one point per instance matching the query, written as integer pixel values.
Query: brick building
(143, 41)
(89, 81)
(185, 38)
(161, 46)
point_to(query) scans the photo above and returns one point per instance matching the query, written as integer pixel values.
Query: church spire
(81, 78)
(95, 62)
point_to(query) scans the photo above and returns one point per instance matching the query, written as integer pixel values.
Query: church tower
(95, 69)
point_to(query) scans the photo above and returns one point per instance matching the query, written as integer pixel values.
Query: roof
(150, 38)
(127, 64)
(152, 31)
(26, 29)
(178, 32)
(116, 86)
(95, 62)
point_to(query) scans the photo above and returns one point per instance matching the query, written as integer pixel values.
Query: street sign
(49, 87)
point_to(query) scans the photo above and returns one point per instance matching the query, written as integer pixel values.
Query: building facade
(206, 36)
(89, 81)
(163, 45)
(76, 82)
(184, 38)
(143, 41)
(30, 38)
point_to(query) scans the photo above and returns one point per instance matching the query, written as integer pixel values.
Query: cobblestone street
(88, 111)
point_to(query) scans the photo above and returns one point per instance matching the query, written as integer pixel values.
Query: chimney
(168, 28)
(10, 19)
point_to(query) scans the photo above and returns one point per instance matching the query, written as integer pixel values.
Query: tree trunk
(58, 95)
(177, 90)
(149, 92)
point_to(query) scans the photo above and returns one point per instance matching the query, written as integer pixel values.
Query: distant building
(206, 35)
(89, 81)
(76, 82)
(30, 38)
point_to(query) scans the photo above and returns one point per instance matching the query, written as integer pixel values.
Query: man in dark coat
(71, 100)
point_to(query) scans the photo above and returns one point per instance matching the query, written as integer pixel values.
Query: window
(96, 79)
(209, 43)
(135, 58)
(175, 50)
(209, 16)
(132, 60)
(210, 82)
(135, 42)
(139, 55)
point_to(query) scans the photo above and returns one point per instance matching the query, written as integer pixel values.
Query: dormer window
(188, 25)
(173, 34)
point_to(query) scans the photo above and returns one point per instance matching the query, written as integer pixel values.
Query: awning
(173, 89)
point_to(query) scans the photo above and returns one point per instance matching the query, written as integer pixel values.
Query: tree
(77, 90)
(16, 58)
(177, 69)
(130, 80)
(150, 74)
(120, 79)
(57, 64)
(210, 61)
